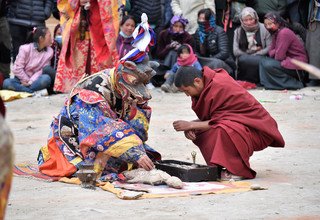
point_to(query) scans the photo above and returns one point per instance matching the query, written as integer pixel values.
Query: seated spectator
(251, 43)
(125, 38)
(171, 39)
(168, 42)
(278, 72)
(228, 16)
(310, 18)
(186, 57)
(212, 43)
(29, 67)
(56, 47)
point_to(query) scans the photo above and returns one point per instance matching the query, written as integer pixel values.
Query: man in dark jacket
(5, 44)
(211, 43)
(153, 9)
(23, 16)
(263, 7)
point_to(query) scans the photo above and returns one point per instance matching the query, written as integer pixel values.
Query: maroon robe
(2, 108)
(239, 124)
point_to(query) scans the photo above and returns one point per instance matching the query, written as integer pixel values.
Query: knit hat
(180, 19)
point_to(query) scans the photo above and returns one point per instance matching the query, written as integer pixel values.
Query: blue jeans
(168, 14)
(14, 84)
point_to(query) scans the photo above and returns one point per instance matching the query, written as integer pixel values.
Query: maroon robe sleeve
(224, 102)
(239, 124)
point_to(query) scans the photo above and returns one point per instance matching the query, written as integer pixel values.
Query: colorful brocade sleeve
(101, 133)
(138, 118)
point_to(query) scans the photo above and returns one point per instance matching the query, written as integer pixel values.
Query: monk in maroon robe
(231, 123)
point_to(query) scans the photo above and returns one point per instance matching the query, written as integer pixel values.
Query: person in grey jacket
(189, 9)
(251, 42)
(23, 16)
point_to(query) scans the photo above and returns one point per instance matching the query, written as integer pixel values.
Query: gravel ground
(291, 174)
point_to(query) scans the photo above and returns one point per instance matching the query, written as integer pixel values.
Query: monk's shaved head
(185, 76)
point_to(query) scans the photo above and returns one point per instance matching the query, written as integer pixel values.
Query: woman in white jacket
(189, 10)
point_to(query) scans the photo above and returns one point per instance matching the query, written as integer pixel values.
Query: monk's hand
(191, 135)
(145, 162)
(182, 125)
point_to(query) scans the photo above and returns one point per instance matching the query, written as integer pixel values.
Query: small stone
(256, 187)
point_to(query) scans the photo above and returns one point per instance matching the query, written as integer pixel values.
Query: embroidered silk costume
(89, 40)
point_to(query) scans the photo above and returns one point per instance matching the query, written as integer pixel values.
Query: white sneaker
(150, 86)
(227, 176)
(165, 87)
(40, 93)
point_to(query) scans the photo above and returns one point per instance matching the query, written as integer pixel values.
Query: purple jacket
(30, 62)
(165, 38)
(285, 46)
(123, 45)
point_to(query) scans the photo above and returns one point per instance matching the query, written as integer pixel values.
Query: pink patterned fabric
(99, 42)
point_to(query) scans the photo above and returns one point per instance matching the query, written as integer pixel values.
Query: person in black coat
(23, 16)
(170, 39)
(5, 44)
(153, 10)
(212, 45)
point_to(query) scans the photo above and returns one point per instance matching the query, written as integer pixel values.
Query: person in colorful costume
(105, 121)
(6, 161)
(89, 40)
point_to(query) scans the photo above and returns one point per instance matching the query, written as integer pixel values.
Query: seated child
(28, 69)
(186, 57)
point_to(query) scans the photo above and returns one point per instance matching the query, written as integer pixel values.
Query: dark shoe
(314, 82)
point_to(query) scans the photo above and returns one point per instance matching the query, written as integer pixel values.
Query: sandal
(227, 176)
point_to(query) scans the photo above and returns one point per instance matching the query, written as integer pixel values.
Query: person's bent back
(231, 123)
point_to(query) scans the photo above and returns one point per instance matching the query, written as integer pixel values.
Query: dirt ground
(292, 174)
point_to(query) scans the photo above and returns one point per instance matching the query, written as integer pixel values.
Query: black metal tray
(188, 172)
